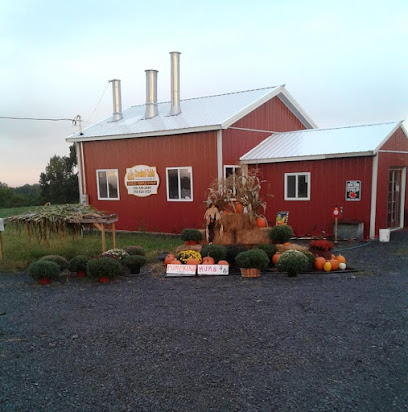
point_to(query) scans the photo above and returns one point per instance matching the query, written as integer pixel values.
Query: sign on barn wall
(142, 180)
(353, 190)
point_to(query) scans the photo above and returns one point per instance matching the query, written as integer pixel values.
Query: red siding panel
(154, 213)
(328, 186)
(271, 116)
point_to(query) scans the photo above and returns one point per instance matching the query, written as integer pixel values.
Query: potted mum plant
(134, 263)
(191, 236)
(251, 262)
(280, 234)
(217, 252)
(44, 271)
(78, 264)
(103, 268)
(293, 262)
(59, 260)
(321, 247)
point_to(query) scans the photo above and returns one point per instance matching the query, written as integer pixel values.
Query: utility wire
(97, 104)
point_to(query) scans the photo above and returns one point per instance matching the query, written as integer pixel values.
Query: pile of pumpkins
(320, 263)
(207, 260)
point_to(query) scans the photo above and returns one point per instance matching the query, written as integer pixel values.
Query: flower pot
(323, 253)
(190, 242)
(80, 274)
(250, 273)
(44, 281)
(104, 279)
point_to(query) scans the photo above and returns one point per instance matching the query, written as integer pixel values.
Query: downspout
(373, 196)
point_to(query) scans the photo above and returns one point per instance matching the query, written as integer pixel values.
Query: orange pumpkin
(341, 259)
(260, 222)
(334, 264)
(275, 258)
(319, 263)
(239, 208)
(169, 258)
(223, 262)
(286, 244)
(175, 262)
(208, 260)
(193, 261)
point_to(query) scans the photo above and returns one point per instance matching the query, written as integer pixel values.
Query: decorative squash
(193, 261)
(327, 267)
(319, 263)
(334, 264)
(341, 259)
(223, 262)
(260, 222)
(286, 244)
(175, 262)
(169, 258)
(275, 258)
(239, 208)
(342, 266)
(208, 260)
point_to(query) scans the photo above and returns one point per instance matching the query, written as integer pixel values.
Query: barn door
(394, 198)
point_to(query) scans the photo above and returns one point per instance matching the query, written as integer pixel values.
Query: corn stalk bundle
(58, 219)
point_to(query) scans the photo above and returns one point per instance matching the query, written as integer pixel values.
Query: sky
(345, 63)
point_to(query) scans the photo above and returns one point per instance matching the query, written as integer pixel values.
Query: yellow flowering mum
(189, 254)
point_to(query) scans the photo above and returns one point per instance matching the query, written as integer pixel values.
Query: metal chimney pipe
(117, 100)
(175, 83)
(151, 94)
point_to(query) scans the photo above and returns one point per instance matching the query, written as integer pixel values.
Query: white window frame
(235, 168)
(307, 174)
(107, 186)
(178, 168)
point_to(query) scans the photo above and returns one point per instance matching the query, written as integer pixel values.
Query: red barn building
(153, 163)
(360, 169)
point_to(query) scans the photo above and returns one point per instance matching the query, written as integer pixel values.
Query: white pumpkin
(342, 266)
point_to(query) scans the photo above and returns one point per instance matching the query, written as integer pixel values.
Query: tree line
(57, 185)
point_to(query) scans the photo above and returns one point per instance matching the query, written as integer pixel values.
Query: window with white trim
(297, 186)
(231, 171)
(179, 184)
(108, 184)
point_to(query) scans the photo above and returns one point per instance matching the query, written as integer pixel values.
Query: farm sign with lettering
(142, 180)
(353, 190)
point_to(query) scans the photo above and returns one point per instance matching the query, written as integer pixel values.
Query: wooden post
(101, 228)
(335, 230)
(113, 235)
(1, 246)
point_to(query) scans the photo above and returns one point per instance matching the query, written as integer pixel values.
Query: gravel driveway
(319, 342)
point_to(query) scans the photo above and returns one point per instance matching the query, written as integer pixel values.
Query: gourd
(223, 262)
(319, 263)
(286, 244)
(342, 266)
(341, 259)
(169, 259)
(176, 262)
(193, 261)
(327, 267)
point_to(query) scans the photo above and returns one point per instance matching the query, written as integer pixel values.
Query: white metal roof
(321, 143)
(198, 114)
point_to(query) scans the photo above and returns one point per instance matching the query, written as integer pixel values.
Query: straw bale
(227, 238)
(236, 221)
(253, 236)
(182, 248)
(282, 248)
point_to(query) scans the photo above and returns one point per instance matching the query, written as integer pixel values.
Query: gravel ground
(319, 342)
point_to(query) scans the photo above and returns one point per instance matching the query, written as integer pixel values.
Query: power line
(35, 118)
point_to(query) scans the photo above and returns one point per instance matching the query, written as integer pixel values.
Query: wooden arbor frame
(100, 223)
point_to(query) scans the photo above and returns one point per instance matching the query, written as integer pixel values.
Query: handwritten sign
(208, 270)
(142, 180)
(181, 270)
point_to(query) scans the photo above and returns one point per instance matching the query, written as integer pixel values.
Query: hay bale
(182, 248)
(282, 248)
(236, 221)
(253, 236)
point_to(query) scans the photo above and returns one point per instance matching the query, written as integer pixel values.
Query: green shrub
(134, 263)
(293, 262)
(217, 252)
(191, 234)
(252, 259)
(103, 267)
(78, 263)
(134, 250)
(281, 233)
(59, 260)
(311, 258)
(268, 248)
(44, 269)
(233, 251)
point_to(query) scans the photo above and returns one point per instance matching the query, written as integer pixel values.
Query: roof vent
(117, 100)
(151, 94)
(175, 83)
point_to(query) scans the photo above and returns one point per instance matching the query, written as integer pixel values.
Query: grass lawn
(13, 211)
(20, 250)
